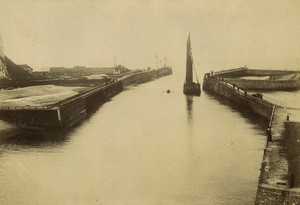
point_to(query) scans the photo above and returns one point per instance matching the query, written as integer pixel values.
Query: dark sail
(189, 87)
(189, 63)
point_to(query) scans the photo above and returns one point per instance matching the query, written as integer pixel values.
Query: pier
(255, 79)
(279, 175)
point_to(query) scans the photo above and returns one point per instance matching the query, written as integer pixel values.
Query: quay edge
(273, 79)
(275, 185)
(72, 110)
(237, 95)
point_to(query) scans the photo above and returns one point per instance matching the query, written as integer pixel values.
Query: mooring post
(58, 116)
(288, 118)
(292, 182)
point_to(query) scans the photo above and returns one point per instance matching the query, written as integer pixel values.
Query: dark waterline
(145, 146)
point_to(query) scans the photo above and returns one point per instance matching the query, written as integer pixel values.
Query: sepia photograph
(149, 102)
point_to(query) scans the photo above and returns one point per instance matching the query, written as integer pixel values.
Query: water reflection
(27, 138)
(189, 107)
(51, 138)
(259, 122)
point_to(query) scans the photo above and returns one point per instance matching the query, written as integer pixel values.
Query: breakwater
(265, 84)
(275, 79)
(244, 71)
(276, 183)
(237, 95)
(74, 109)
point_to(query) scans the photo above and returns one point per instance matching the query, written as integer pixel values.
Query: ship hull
(192, 89)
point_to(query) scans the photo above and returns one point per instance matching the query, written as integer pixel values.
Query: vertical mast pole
(156, 61)
(189, 63)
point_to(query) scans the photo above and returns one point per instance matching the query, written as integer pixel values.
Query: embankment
(265, 84)
(278, 181)
(237, 95)
(244, 71)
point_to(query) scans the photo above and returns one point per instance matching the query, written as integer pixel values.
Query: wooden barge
(74, 109)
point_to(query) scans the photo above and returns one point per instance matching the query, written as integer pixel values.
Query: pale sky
(224, 33)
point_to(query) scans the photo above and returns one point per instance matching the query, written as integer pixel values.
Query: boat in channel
(190, 87)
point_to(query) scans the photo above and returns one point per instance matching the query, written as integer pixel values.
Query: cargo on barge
(74, 109)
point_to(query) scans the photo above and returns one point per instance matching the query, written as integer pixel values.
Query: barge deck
(74, 109)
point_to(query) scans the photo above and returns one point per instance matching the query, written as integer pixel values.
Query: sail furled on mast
(189, 87)
(189, 63)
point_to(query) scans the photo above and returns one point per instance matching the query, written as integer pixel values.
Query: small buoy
(168, 91)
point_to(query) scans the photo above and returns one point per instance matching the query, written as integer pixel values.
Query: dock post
(292, 182)
(58, 115)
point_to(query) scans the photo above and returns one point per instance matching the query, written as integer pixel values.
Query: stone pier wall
(281, 155)
(238, 96)
(265, 84)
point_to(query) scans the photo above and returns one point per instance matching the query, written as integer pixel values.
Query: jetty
(256, 79)
(279, 180)
(69, 111)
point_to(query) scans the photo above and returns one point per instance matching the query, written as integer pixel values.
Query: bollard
(292, 182)
(287, 118)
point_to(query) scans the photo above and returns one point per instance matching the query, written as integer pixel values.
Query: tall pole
(3, 69)
(165, 61)
(156, 61)
(189, 63)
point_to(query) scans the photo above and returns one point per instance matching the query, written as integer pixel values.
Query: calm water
(143, 147)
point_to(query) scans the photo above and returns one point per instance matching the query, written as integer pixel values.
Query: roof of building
(25, 66)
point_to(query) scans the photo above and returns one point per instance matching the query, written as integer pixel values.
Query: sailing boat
(189, 87)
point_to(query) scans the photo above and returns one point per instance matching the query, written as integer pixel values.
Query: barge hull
(73, 110)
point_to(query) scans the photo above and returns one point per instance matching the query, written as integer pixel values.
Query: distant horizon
(224, 35)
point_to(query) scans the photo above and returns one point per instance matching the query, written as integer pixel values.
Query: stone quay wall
(275, 184)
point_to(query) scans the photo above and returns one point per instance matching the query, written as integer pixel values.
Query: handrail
(271, 118)
(229, 70)
(242, 92)
(279, 103)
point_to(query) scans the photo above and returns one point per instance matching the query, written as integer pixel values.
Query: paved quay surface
(282, 154)
(292, 139)
(275, 162)
(279, 180)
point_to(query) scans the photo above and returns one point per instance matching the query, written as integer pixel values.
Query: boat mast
(3, 68)
(189, 63)
(156, 56)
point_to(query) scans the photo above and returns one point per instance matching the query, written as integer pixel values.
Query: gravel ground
(37, 95)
